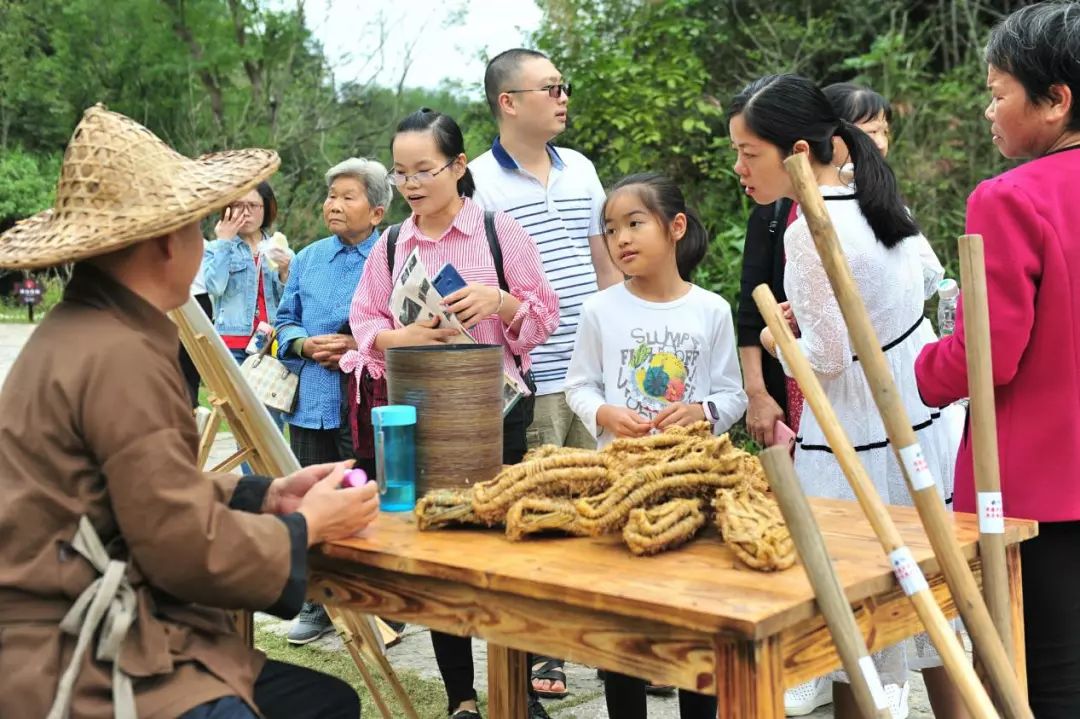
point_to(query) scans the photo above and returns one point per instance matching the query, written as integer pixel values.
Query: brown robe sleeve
(175, 520)
(225, 484)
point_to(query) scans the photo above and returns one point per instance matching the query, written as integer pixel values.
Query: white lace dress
(892, 287)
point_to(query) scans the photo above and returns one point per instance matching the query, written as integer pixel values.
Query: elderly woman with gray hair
(313, 312)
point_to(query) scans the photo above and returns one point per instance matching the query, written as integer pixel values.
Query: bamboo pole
(894, 415)
(865, 682)
(995, 572)
(907, 572)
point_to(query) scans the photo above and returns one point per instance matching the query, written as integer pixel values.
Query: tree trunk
(252, 68)
(209, 80)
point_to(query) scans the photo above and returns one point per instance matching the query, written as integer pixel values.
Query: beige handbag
(272, 381)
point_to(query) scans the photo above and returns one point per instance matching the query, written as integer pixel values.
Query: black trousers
(191, 374)
(625, 697)
(1050, 565)
(454, 654)
(286, 691)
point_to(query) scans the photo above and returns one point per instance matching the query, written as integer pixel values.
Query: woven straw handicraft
(751, 523)
(120, 184)
(658, 491)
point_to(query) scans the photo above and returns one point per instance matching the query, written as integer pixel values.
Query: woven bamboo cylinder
(457, 392)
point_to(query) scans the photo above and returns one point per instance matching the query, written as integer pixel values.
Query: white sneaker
(805, 698)
(898, 699)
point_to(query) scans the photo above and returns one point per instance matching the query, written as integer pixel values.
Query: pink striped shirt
(464, 245)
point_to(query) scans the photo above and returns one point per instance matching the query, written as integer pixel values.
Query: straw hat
(119, 184)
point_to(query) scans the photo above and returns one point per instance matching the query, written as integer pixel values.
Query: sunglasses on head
(553, 91)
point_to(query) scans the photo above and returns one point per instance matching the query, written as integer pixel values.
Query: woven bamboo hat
(120, 184)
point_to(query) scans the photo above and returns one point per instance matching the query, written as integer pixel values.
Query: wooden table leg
(508, 690)
(1016, 607)
(749, 679)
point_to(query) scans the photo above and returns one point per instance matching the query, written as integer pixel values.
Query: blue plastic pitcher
(395, 456)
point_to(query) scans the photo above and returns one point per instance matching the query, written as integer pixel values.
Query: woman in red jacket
(1029, 219)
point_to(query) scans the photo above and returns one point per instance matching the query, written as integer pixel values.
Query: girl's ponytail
(877, 189)
(690, 250)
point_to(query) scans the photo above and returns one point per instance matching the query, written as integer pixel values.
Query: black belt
(898, 340)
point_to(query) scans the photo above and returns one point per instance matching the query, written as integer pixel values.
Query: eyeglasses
(553, 91)
(251, 207)
(423, 177)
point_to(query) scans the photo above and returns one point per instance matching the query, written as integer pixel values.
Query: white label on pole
(918, 471)
(991, 513)
(907, 571)
(873, 682)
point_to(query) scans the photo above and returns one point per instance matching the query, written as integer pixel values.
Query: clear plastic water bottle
(948, 292)
(395, 456)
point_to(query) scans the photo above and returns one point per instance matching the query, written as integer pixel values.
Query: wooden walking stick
(995, 573)
(894, 415)
(907, 571)
(865, 682)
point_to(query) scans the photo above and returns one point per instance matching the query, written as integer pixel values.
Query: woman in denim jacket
(245, 273)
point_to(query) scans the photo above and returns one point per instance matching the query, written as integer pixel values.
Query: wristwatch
(711, 412)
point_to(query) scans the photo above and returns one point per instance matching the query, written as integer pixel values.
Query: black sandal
(552, 671)
(465, 714)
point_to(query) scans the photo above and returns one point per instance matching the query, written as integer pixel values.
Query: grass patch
(427, 695)
(204, 401)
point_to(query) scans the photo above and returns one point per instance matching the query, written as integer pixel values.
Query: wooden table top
(700, 586)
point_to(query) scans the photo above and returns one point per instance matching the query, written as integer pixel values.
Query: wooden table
(694, 617)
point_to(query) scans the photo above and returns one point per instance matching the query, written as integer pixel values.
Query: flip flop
(551, 670)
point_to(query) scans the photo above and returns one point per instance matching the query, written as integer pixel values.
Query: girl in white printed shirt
(654, 351)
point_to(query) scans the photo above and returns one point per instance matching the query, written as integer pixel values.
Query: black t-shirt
(763, 262)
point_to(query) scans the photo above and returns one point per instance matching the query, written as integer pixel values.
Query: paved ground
(414, 652)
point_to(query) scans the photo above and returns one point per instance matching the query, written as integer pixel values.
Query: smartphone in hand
(447, 281)
(783, 436)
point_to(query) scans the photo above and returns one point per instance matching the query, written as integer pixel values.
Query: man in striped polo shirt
(557, 197)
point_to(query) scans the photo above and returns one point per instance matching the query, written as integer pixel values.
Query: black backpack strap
(781, 209)
(496, 255)
(496, 248)
(391, 247)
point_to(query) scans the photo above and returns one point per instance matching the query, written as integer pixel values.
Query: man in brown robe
(118, 556)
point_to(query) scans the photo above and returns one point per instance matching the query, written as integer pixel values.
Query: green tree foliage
(27, 183)
(202, 74)
(652, 79)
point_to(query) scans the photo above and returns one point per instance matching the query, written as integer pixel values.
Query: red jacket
(1029, 218)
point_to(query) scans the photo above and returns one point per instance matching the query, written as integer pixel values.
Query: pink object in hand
(354, 478)
(783, 436)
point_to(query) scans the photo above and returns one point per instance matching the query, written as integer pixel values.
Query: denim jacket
(229, 271)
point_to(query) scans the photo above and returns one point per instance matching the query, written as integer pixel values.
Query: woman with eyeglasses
(245, 274)
(446, 226)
